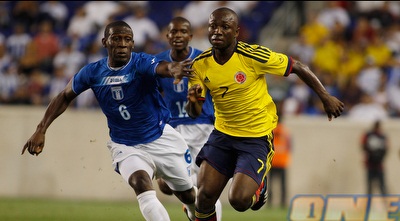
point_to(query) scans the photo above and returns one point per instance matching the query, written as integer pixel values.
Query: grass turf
(13, 209)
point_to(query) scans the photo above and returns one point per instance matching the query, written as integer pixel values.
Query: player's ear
(237, 31)
(103, 42)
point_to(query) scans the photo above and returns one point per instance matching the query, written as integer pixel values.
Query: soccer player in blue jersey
(241, 146)
(194, 131)
(143, 146)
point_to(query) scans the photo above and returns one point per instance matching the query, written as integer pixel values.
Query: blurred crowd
(352, 46)
(354, 49)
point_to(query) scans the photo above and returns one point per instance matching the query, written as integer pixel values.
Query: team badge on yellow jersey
(240, 77)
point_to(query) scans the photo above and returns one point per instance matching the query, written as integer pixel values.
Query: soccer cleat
(261, 194)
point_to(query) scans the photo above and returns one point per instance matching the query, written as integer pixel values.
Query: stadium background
(75, 163)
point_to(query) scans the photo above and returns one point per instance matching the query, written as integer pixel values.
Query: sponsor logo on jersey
(113, 80)
(344, 208)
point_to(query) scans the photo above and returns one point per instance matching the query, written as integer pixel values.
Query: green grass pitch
(12, 209)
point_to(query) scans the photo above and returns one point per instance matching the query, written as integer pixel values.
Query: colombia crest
(240, 77)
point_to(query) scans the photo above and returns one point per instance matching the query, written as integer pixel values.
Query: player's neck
(180, 55)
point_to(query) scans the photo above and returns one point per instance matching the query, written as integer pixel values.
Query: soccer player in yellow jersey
(241, 145)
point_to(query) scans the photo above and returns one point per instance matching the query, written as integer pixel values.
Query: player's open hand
(333, 107)
(35, 144)
(181, 69)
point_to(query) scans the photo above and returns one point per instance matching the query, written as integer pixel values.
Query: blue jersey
(129, 98)
(175, 96)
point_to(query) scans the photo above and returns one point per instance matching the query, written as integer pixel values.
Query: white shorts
(195, 135)
(168, 158)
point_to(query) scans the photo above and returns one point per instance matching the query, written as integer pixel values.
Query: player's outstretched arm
(57, 106)
(333, 106)
(177, 70)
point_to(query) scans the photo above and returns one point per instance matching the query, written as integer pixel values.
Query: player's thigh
(172, 158)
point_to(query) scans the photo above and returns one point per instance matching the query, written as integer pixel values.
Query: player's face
(119, 45)
(179, 35)
(222, 29)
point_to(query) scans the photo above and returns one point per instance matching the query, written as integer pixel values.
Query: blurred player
(142, 143)
(194, 131)
(240, 146)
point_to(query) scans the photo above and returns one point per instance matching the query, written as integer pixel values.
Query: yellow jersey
(243, 106)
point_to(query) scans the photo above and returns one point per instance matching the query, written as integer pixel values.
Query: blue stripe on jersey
(175, 96)
(129, 97)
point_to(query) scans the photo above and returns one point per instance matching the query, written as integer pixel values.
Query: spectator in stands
(379, 51)
(29, 60)
(362, 31)
(5, 58)
(351, 63)
(36, 87)
(144, 28)
(9, 84)
(2, 38)
(313, 30)
(99, 12)
(70, 58)
(369, 78)
(57, 12)
(197, 12)
(351, 93)
(57, 83)
(81, 29)
(5, 16)
(330, 48)
(200, 37)
(18, 41)
(393, 90)
(300, 49)
(26, 12)
(367, 110)
(333, 14)
(47, 44)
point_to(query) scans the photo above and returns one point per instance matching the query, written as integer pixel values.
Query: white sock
(191, 208)
(218, 209)
(151, 207)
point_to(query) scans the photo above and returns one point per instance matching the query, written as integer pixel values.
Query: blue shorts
(230, 155)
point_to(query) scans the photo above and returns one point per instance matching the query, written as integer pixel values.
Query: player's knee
(140, 182)
(187, 196)
(239, 203)
(164, 188)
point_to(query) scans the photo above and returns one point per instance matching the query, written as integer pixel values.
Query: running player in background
(240, 147)
(141, 142)
(194, 131)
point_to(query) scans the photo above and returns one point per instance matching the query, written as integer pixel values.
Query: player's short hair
(181, 20)
(114, 24)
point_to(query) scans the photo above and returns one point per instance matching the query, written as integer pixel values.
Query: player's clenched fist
(35, 144)
(194, 93)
